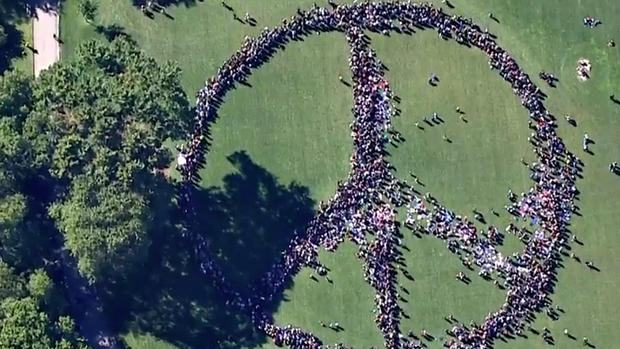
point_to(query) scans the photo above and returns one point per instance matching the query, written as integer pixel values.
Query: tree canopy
(24, 326)
(24, 321)
(103, 226)
(98, 127)
(83, 167)
(88, 10)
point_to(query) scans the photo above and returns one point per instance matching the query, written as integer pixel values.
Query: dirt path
(45, 29)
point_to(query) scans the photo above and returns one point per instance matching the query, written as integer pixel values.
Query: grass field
(25, 63)
(293, 122)
(18, 29)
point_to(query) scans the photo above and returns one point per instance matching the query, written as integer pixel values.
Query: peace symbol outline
(351, 212)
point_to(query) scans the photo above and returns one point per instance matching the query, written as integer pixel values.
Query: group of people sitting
(364, 204)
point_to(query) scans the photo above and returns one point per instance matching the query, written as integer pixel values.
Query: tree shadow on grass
(111, 32)
(170, 299)
(250, 219)
(12, 47)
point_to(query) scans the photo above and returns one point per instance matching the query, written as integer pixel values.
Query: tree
(23, 326)
(11, 285)
(21, 242)
(20, 238)
(104, 148)
(88, 10)
(15, 96)
(116, 132)
(15, 102)
(81, 167)
(40, 286)
(104, 227)
(12, 213)
(23, 323)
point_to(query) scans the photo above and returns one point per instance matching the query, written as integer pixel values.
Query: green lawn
(292, 123)
(146, 341)
(19, 30)
(25, 63)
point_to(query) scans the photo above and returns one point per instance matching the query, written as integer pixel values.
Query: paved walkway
(46, 46)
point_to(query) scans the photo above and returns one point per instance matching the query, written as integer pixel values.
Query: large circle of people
(365, 204)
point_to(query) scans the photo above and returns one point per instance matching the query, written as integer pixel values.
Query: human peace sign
(364, 206)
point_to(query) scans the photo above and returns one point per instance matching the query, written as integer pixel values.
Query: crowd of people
(364, 204)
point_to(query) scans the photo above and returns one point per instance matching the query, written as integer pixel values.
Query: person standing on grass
(432, 78)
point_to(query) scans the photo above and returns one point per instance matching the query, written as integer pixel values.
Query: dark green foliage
(3, 36)
(107, 114)
(81, 167)
(24, 326)
(88, 10)
(104, 227)
(98, 126)
(15, 96)
(11, 285)
(40, 286)
(24, 323)
(19, 232)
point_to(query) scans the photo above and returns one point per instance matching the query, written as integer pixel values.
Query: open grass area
(18, 30)
(25, 63)
(292, 124)
(146, 341)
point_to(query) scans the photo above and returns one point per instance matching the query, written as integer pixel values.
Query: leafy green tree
(40, 286)
(66, 328)
(22, 325)
(104, 227)
(82, 158)
(15, 95)
(20, 240)
(115, 133)
(11, 285)
(12, 213)
(15, 104)
(104, 148)
(68, 337)
(13, 150)
(22, 243)
(88, 10)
